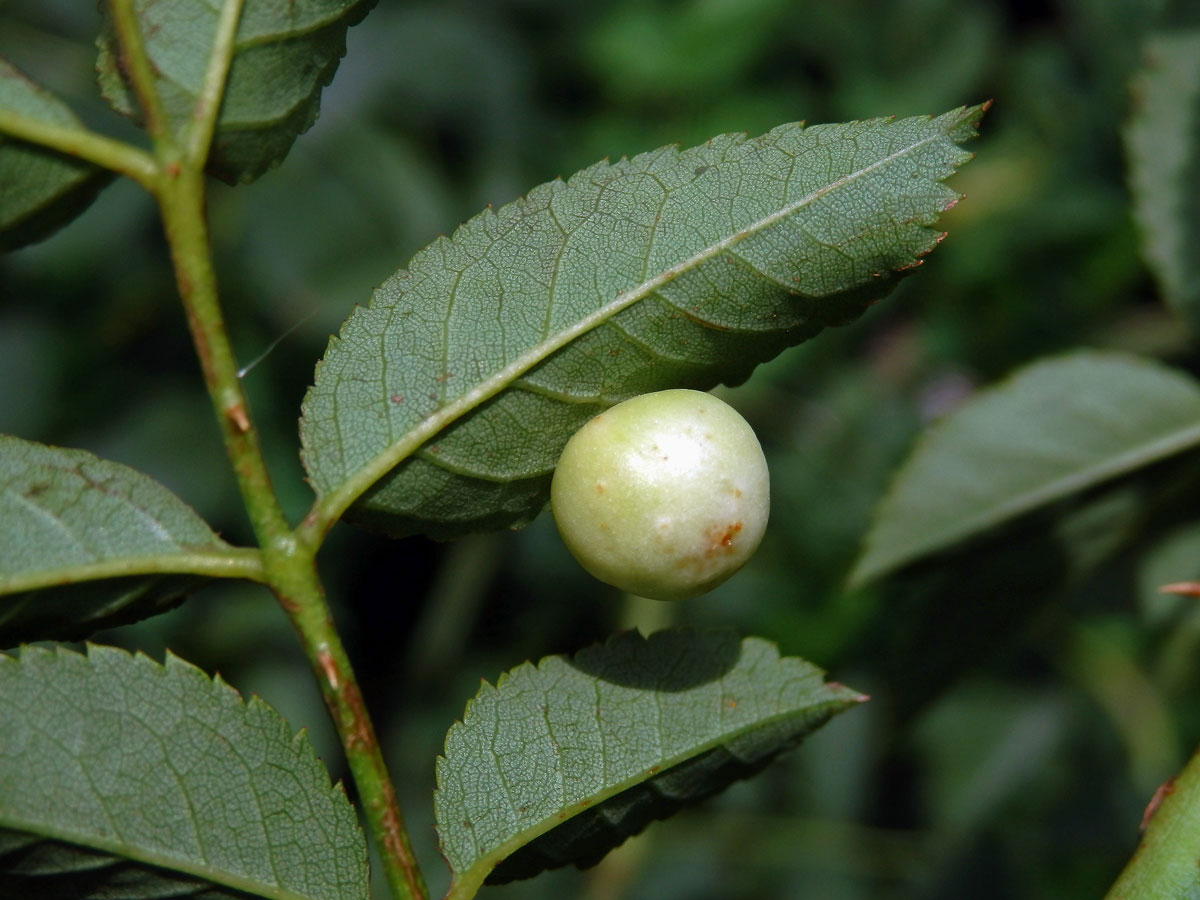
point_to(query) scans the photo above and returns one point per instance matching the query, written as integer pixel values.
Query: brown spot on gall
(725, 538)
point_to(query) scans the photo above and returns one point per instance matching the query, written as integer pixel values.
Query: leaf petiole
(106, 152)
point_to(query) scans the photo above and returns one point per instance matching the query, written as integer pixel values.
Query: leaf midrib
(227, 562)
(1168, 445)
(330, 506)
(483, 864)
(159, 861)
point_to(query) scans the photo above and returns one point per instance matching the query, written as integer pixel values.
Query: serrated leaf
(40, 190)
(284, 54)
(1053, 429)
(471, 368)
(123, 777)
(1162, 141)
(88, 544)
(597, 746)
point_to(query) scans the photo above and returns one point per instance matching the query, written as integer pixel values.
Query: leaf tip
(849, 694)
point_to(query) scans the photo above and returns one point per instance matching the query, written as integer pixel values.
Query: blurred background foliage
(1031, 690)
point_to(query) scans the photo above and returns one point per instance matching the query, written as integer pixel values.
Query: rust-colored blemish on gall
(727, 537)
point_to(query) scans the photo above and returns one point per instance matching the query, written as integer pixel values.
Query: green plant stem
(1164, 865)
(299, 591)
(76, 141)
(181, 203)
(289, 564)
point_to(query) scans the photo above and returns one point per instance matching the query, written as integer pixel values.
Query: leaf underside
(472, 367)
(120, 777)
(40, 190)
(69, 516)
(1162, 143)
(284, 55)
(1052, 430)
(559, 763)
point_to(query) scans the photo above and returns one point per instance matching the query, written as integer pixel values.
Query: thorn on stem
(237, 416)
(1164, 790)
(1187, 588)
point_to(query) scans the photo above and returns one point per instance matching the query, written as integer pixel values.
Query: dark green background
(1018, 726)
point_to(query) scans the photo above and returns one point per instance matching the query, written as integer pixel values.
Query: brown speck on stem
(290, 606)
(328, 668)
(1164, 790)
(238, 418)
